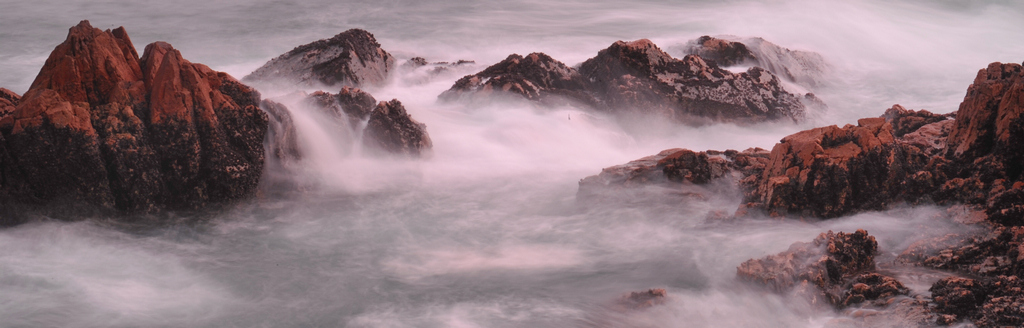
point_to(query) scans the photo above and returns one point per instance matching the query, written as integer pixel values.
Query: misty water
(486, 232)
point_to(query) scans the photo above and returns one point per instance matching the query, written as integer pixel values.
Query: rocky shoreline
(970, 158)
(105, 131)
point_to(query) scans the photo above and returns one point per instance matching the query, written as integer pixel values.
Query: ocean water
(486, 232)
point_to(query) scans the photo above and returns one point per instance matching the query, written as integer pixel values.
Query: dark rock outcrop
(282, 137)
(676, 166)
(631, 78)
(998, 302)
(351, 58)
(971, 159)
(102, 129)
(834, 268)
(801, 67)
(389, 128)
(872, 286)
(536, 77)
(723, 52)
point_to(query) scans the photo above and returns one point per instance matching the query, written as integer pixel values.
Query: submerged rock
(637, 79)
(101, 128)
(644, 299)
(802, 67)
(351, 58)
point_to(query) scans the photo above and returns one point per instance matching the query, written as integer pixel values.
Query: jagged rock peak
(636, 80)
(351, 58)
(102, 129)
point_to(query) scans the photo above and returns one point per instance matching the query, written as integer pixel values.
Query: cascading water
(486, 232)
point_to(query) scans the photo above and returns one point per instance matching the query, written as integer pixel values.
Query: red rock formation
(8, 101)
(351, 58)
(823, 268)
(831, 171)
(102, 128)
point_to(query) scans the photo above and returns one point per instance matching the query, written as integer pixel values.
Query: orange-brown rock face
(102, 128)
(822, 269)
(986, 144)
(8, 101)
(829, 171)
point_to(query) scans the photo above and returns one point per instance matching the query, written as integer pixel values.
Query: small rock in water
(644, 299)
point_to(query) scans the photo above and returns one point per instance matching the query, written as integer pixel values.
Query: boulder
(351, 58)
(636, 80)
(101, 128)
(675, 166)
(872, 286)
(389, 128)
(905, 121)
(826, 269)
(802, 67)
(536, 77)
(643, 300)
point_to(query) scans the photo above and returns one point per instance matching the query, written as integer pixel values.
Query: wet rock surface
(675, 166)
(389, 129)
(102, 129)
(831, 171)
(638, 79)
(351, 58)
(969, 160)
(802, 67)
(644, 299)
(827, 269)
